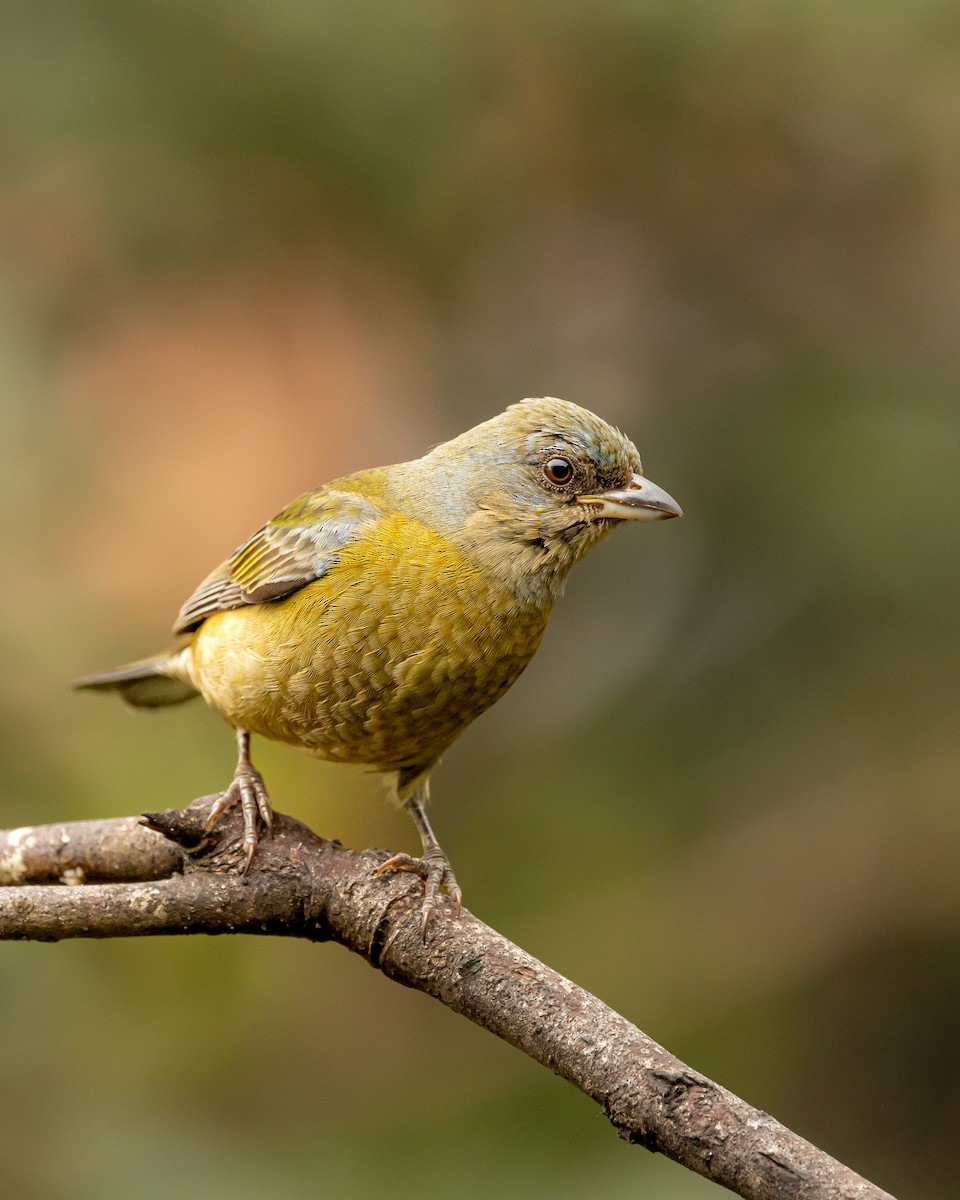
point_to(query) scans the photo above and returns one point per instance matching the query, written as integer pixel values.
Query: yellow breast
(384, 660)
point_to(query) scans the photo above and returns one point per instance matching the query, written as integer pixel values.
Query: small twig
(86, 852)
(303, 886)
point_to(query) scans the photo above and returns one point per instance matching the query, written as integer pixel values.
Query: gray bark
(171, 877)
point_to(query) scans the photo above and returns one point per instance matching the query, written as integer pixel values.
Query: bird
(374, 618)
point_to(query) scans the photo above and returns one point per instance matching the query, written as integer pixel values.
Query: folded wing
(299, 545)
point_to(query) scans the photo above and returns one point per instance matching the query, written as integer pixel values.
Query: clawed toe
(434, 866)
(435, 871)
(249, 791)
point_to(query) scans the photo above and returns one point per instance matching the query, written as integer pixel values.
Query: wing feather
(298, 546)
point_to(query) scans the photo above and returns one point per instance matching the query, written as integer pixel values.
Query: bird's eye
(558, 470)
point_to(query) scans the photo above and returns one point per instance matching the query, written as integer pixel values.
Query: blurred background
(247, 248)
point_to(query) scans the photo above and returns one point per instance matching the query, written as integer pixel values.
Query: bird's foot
(435, 871)
(249, 791)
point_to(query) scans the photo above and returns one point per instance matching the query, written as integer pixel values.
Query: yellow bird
(374, 618)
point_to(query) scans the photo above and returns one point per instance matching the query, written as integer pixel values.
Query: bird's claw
(435, 871)
(249, 791)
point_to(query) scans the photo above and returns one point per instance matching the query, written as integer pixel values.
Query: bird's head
(534, 488)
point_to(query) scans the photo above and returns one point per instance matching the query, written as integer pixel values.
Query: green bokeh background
(248, 247)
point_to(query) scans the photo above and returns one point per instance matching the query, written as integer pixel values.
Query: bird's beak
(640, 500)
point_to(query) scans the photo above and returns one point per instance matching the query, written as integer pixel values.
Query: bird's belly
(338, 672)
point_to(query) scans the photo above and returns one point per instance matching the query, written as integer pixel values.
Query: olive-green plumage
(373, 619)
(383, 661)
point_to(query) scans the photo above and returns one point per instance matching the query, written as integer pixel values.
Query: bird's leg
(248, 790)
(433, 867)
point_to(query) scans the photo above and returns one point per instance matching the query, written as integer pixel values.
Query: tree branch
(187, 881)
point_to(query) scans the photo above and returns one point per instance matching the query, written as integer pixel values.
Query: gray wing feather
(294, 549)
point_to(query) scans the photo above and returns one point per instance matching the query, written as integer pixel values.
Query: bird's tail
(149, 683)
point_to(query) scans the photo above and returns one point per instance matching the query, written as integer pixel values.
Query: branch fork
(165, 873)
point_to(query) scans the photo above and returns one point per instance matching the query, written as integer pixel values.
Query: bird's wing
(298, 546)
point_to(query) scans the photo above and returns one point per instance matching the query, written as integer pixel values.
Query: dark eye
(558, 470)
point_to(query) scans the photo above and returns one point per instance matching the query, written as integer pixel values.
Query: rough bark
(137, 882)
